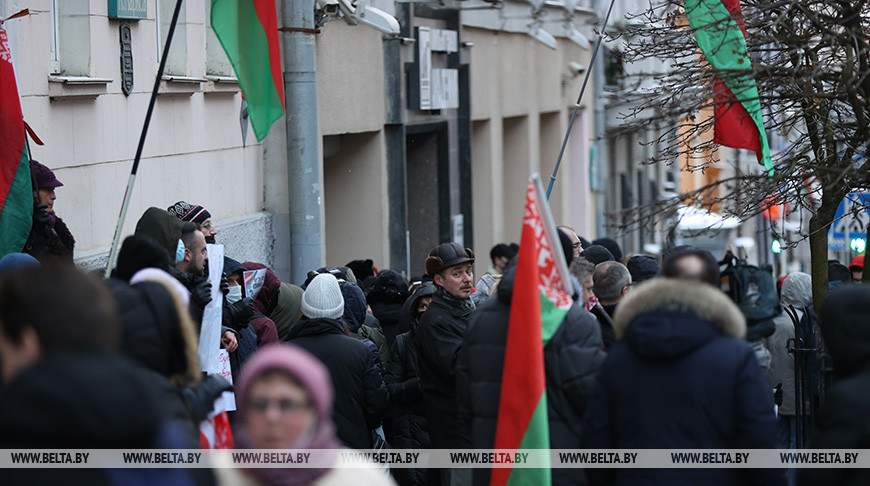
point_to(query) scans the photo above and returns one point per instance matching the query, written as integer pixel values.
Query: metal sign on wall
(434, 88)
(126, 59)
(128, 9)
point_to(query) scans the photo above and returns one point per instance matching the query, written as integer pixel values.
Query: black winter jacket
(843, 422)
(386, 296)
(360, 393)
(571, 360)
(439, 338)
(88, 401)
(680, 378)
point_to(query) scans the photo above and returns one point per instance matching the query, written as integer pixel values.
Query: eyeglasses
(284, 405)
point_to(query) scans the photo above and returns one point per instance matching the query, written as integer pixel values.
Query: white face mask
(235, 294)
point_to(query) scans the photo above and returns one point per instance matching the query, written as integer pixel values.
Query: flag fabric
(16, 189)
(538, 307)
(720, 34)
(248, 32)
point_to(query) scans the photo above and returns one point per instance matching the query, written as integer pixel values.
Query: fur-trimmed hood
(666, 318)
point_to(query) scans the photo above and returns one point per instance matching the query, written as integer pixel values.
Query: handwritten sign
(212, 359)
(254, 280)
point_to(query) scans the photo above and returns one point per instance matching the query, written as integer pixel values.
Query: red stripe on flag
(733, 7)
(11, 120)
(269, 19)
(734, 126)
(523, 382)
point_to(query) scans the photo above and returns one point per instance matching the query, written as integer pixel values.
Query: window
(216, 61)
(70, 37)
(176, 62)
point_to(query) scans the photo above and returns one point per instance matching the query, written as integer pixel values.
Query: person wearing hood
(796, 296)
(386, 296)
(354, 318)
(67, 387)
(361, 397)
(843, 422)
(409, 428)
(158, 333)
(264, 303)
(168, 231)
(680, 377)
(287, 311)
(571, 359)
(285, 400)
(50, 240)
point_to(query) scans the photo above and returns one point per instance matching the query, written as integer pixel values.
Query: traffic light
(776, 246)
(858, 245)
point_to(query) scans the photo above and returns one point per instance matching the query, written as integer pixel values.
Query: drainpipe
(303, 137)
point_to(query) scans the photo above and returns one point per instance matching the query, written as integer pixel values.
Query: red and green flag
(539, 304)
(16, 189)
(720, 33)
(248, 32)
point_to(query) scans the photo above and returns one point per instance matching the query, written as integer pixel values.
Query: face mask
(179, 252)
(235, 294)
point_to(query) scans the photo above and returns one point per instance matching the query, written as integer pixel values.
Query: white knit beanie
(322, 298)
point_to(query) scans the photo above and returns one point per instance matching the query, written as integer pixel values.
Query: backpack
(754, 292)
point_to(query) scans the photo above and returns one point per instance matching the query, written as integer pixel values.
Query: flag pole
(113, 252)
(579, 98)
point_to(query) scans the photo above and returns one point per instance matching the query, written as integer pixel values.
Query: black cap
(642, 267)
(597, 254)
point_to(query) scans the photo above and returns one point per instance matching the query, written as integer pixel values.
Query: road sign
(847, 226)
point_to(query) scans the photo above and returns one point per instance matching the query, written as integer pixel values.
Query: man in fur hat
(439, 337)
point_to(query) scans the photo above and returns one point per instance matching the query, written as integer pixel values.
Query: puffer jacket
(681, 377)
(844, 422)
(797, 292)
(360, 393)
(571, 360)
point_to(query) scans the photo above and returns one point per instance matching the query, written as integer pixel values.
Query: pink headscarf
(314, 378)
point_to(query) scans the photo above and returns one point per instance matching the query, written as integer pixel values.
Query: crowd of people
(651, 355)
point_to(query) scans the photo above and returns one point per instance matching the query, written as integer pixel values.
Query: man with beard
(195, 254)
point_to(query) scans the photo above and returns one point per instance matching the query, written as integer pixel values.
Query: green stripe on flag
(16, 218)
(537, 437)
(551, 318)
(238, 28)
(723, 43)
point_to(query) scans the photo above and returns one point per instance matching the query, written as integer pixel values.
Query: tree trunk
(819, 225)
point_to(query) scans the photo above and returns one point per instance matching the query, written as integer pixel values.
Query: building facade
(423, 136)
